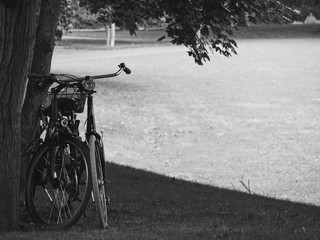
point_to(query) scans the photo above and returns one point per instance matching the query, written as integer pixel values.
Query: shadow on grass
(176, 209)
(158, 207)
(145, 205)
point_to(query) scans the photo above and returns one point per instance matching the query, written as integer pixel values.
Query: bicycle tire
(98, 182)
(58, 204)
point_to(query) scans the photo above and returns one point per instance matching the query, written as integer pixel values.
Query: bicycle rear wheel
(98, 180)
(58, 203)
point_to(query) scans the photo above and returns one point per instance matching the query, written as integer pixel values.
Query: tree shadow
(146, 205)
(174, 209)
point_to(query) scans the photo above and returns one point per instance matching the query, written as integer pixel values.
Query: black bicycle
(66, 170)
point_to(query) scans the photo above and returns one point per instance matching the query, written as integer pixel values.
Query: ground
(254, 116)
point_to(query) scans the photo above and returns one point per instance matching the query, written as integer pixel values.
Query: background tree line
(78, 14)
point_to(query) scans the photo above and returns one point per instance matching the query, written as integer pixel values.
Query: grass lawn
(150, 206)
(254, 115)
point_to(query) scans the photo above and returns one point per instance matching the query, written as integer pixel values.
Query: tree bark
(110, 34)
(41, 64)
(242, 19)
(113, 34)
(17, 36)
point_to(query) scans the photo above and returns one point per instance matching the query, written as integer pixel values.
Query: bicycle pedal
(106, 181)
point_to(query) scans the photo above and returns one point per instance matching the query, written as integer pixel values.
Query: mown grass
(145, 205)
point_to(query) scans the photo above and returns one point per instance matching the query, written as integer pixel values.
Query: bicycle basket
(69, 100)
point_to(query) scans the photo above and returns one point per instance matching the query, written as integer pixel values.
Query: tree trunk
(113, 34)
(41, 64)
(17, 31)
(242, 19)
(108, 34)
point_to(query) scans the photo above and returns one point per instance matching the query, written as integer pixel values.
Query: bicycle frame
(52, 133)
(91, 125)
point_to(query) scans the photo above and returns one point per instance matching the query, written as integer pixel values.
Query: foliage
(105, 15)
(66, 16)
(203, 26)
(306, 7)
(83, 18)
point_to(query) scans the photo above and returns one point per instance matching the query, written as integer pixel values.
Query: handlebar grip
(127, 70)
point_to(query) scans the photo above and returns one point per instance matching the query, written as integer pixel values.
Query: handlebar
(122, 67)
(51, 78)
(125, 69)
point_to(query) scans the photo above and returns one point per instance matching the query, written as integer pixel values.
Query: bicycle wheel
(98, 182)
(58, 203)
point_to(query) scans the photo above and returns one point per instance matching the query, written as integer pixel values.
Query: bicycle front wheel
(98, 180)
(57, 202)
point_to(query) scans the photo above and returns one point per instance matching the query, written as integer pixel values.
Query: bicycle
(97, 156)
(65, 170)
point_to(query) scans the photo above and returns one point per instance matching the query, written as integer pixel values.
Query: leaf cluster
(305, 6)
(66, 15)
(203, 26)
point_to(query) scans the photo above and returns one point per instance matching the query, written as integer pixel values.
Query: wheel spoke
(47, 192)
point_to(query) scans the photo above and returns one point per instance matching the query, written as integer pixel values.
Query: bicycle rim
(59, 203)
(98, 183)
